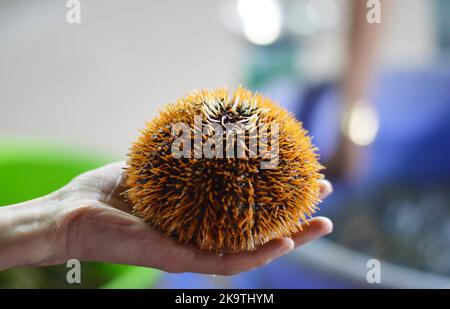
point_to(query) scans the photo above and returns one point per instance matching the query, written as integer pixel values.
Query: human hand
(89, 220)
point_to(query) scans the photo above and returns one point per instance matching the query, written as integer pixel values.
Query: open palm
(95, 224)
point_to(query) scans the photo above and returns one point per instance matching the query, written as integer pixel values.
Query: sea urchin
(223, 202)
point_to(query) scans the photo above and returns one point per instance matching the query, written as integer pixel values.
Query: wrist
(26, 233)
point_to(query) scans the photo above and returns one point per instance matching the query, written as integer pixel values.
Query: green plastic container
(29, 169)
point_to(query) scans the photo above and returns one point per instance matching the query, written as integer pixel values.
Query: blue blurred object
(413, 147)
(414, 111)
(281, 274)
(414, 138)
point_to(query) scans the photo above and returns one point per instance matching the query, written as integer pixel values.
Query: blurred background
(375, 96)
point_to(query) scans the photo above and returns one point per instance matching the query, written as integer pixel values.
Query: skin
(89, 220)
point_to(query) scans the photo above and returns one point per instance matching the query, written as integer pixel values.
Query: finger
(229, 264)
(326, 188)
(313, 229)
(113, 186)
(106, 183)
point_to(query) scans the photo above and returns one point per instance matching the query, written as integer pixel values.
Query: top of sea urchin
(223, 203)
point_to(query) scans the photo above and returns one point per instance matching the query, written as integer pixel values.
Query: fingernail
(329, 225)
(326, 185)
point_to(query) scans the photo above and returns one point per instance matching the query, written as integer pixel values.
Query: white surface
(349, 265)
(96, 83)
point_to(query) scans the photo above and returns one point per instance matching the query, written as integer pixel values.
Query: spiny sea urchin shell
(223, 203)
